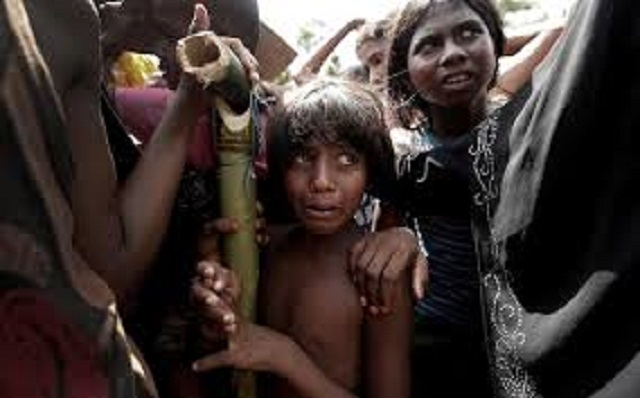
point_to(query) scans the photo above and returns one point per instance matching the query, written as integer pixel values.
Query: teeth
(458, 78)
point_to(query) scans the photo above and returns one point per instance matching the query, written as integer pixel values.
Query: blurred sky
(325, 17)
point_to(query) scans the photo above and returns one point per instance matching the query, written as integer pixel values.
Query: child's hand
(379, 260)
(215, 291)
(208, 245)
(253, 347)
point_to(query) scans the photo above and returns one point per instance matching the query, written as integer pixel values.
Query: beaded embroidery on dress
(505, 313)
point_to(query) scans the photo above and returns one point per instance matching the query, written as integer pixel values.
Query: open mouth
(458, 80)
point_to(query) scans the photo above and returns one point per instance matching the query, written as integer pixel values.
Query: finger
(261, 224)
(363, 279)
(362, 255)
(213, 308)
(233, 287)
(213, 361)
(390, 281)
(227, 284)
(201, 294)
(420, 276)
(224, 225)
(262, 239)
(200, 19)
(373, 310)
(374, 276)
(247, 59)
(206, 269)
(354, 256)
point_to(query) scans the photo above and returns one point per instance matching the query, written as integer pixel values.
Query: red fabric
(141, 110)
(42, 354)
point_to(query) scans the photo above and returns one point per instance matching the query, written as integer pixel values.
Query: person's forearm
(305, 376)
(313, 65)
(513, 44)
(526, 60)
(147, 198)
(318, 59)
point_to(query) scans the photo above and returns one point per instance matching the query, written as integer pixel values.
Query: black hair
(399, 88)
(331, 111)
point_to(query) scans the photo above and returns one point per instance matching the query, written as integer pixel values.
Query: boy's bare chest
(317, 306)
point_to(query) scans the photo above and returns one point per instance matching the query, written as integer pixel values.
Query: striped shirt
(434, 194)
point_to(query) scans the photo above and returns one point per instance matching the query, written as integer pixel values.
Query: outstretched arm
(311, 68)
(258, 348)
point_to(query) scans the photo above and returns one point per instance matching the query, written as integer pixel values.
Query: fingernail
(218, 286)
(363, 301)
(229, 319)
(195, 366)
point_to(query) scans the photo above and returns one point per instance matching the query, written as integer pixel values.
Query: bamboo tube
(216, 67)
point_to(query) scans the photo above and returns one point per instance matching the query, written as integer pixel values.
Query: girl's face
(324, 184)
(451, 59)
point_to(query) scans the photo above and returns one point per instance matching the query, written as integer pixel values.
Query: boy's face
(324, 184)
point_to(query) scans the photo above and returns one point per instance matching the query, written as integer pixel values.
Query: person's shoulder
(77, 16)
(68, 34)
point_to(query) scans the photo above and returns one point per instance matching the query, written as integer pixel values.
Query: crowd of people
(434, 223)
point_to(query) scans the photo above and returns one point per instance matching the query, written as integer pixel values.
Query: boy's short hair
(337, 111)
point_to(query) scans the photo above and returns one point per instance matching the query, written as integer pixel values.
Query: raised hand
(189, 87)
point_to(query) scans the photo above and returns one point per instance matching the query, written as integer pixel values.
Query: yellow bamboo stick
(215, 66)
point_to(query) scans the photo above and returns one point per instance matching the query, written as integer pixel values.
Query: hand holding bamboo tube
(213, 64)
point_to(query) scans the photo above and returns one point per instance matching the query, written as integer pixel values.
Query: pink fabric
(43, 353)
(141, 110)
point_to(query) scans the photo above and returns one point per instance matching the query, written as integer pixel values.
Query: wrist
(187, 108)
(289, 352)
